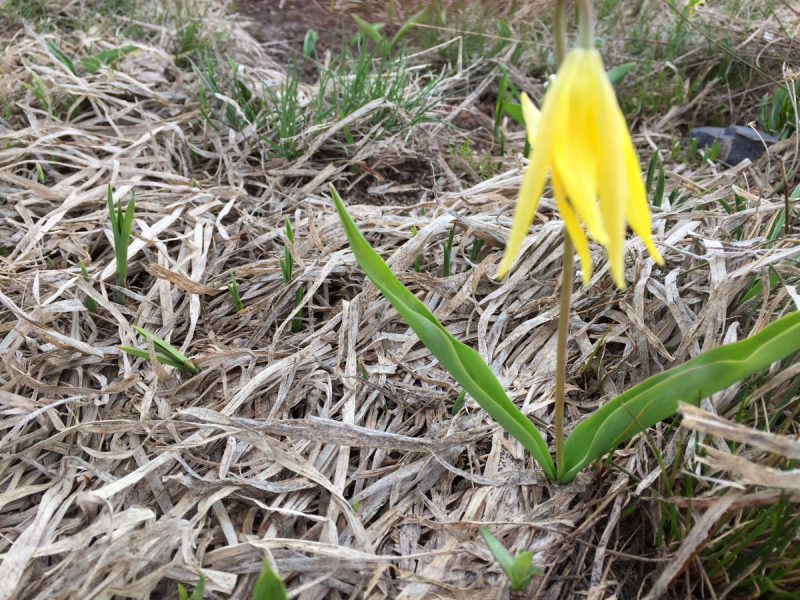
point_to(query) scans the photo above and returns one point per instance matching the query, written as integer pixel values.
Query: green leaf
(310, 42)
(59, 54)
(514, 111)
(197, 594)
(462, 362)
(617, 73)
(165, 349)
(651, 171)
(459, 402)
(524, 570)
(503, 556)
(658, 195)
(162, 358)
(657, 398)
(269, 586)
(369, 30)
(91, 63)
(407, 26)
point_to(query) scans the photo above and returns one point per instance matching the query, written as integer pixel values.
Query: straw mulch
(120, 478)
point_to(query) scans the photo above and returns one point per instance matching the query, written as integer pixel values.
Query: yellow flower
(583, 140)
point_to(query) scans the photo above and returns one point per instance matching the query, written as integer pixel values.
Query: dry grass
(120, 478)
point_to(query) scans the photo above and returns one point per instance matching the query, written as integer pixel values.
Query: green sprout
(91, 305)
(121, 226)
(417, 268)
(459, 402)
(447, 248)
(269, 585)
(165, 353)
(477, 246)
(234, 292)
(197, 594)
(518, 569)
(287, 266)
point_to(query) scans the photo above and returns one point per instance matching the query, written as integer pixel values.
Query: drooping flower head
(582, 139)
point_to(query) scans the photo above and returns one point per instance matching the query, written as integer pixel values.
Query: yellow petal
(612, 176)
(574, 153)
(638, 208)
(574, 229)
(532, 118)
(533, 181)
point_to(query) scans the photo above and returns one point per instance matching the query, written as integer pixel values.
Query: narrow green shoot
(459, 402)
(91, 305)
(363, 369)
(651, 172)
(121, 226)
(477, 246)
(269, 586)
(417, 268)
(658, 196)
(166, 354)
(233, 289)
(40, 173)
(447, 249)
(197, 594)
(518, 569)
(287, 266)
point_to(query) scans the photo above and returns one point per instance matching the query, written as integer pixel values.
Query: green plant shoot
(447, 250)
(91, 305)
(269, 586)
(644, 405)
(166, 354)
(197, 594)
(121, 226)
(287, 266)
(518, 569)
(233, 290)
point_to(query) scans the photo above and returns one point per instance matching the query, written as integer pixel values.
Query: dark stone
(736, 142)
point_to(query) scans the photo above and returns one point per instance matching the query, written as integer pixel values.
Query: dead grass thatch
(119, 478)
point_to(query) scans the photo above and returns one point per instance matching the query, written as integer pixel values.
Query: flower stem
(585, 24)
(560, 30)
(561, 352)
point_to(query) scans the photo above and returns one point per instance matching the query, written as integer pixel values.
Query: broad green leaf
(310, 42)
(91, 63)
(524, 570)
(657, 398)
(407, 26)
(269, 586)
(462, 362)
(503, 556)
(617, 73)
(514, 111)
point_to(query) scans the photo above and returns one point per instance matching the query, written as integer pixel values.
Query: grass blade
(462, 362)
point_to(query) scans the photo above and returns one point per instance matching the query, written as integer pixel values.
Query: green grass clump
(121, 226)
